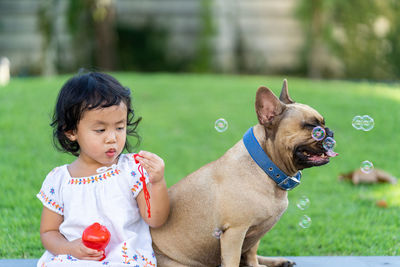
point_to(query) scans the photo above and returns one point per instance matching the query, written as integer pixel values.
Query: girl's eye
(121, 128)
(99, 130)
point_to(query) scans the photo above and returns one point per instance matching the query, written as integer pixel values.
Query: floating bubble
(329, 143)
(368, 123)
(303, 203)
(318, 133)
(365, 123)
(357, 122)
(217, 233)
(305, 222)
(221, 125)
(366, 166)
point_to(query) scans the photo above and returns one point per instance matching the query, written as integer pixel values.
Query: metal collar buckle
(284, 183)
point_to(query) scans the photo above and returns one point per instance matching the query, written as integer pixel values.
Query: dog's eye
(309, 125)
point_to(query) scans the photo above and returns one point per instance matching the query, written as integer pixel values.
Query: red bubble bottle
(96, 236)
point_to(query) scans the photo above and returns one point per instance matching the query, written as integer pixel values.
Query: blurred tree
(393, 37)
(143, 48)
(47, 13)
(351, 39)
(203, 59)
(92, 24)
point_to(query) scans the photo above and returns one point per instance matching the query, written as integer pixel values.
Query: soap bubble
(318, 133)
(367, 166)
(357, 122)
(221, 125)
(303, 203)
(329, 143)
(368, 123)
(305, 222)
(217, 233)
(365, 123)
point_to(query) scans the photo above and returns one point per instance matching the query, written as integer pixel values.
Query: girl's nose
(111, 137)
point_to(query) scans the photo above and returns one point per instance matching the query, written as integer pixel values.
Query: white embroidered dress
(108, 198)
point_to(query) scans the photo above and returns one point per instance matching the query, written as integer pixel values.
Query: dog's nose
(329, 133)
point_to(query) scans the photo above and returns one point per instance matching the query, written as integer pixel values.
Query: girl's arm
(159, 200)
(57, 244)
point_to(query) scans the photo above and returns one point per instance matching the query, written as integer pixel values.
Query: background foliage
(357, 39)
(362, 36)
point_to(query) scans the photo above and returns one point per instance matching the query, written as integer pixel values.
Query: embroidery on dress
(145, 261)
(134, 173)
(50, 201)
(93, 179)
(136, 186)
(56, 259)
(69, 257)
(62, 258)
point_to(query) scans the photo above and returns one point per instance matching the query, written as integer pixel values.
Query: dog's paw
(252, 266)
(275, 261)
(286, 263)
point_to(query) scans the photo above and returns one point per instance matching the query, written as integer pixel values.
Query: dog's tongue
(331, 153)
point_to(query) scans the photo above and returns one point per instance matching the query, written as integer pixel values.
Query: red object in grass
(382, 203)
(96, 236)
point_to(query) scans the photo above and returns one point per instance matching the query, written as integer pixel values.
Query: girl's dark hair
(86, 92)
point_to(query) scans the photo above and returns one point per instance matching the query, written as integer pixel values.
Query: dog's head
(288, 131)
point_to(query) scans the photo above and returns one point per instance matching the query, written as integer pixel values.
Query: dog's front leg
(231, 246)
(250, 257)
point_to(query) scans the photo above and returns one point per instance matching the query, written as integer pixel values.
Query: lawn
(178, 113)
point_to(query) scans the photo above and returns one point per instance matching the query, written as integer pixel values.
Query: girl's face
(101, 135)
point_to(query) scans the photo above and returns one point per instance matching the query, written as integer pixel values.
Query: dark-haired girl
(127, 193)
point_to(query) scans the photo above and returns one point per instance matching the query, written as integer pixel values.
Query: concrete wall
(266, 32)
(22, 41)
(19, 38)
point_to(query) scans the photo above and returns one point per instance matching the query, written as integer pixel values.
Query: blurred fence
(222, 35)
(318, 38)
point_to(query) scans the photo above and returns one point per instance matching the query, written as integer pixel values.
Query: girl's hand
(159, 200)
(153, 164)
(57, 244)
(80, 251)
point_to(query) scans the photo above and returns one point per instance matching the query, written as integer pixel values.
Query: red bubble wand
(143, 180)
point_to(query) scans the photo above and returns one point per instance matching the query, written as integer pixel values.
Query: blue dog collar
(260, 157)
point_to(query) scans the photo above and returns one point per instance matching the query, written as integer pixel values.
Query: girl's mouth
(111, 153)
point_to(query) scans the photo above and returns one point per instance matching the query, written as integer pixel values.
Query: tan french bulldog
(220, 212)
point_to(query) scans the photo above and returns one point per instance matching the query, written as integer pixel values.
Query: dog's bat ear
(284, 97)
(268, 106)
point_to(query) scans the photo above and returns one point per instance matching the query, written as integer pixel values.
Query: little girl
(92, 119)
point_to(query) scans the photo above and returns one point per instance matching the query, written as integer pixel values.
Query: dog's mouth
(306, 156)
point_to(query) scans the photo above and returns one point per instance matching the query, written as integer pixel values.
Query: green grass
(178, 115)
